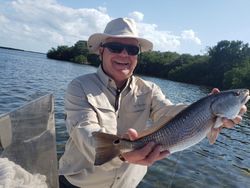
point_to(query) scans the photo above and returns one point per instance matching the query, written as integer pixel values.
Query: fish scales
(190, 122)
(186, 129)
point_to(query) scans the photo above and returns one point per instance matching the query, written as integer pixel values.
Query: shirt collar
(105, 79)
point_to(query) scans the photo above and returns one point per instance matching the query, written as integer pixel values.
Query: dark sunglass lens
(118, 48)
(132, 50)
(114, 47)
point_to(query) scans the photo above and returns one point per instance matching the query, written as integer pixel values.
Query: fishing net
(28, 147)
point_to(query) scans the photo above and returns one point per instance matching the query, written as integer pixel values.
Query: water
(26, 75)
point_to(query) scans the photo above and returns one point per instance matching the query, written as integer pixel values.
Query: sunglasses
(116, 47)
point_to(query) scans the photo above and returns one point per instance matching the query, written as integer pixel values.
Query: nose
(124, 52)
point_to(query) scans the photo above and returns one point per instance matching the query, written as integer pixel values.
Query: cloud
(3, 19)
(162, 40)
(36, 26)
(137, 16)
(190, 35)
(49, 23)
(102, 9)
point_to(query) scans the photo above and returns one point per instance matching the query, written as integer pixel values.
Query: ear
(101, 50)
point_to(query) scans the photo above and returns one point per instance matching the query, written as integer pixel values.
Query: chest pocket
(100, 102)
(139, 102)
(105, 112)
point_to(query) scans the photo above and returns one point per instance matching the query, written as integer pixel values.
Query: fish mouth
(246, 97)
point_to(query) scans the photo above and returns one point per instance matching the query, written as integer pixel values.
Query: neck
(120, 84)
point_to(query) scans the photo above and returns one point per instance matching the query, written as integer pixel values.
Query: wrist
(121, 158)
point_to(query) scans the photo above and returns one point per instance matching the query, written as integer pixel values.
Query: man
(113, 101)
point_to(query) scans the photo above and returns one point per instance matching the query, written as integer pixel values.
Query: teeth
(121, 63)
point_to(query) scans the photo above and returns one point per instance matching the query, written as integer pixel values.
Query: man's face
(119, 66)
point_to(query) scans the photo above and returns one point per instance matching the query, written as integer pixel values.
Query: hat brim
(96, 39)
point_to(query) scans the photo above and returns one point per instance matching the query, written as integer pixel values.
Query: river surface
(26, 75)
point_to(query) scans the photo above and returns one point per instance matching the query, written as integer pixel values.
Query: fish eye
(237, 93)
(116, 142)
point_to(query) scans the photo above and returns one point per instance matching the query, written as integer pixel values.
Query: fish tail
(105, 147)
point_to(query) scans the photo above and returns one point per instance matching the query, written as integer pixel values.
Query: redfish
(186, 129)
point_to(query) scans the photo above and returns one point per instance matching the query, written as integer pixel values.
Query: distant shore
(9, 48)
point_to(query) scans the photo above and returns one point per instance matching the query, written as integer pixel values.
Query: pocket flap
(100, 101)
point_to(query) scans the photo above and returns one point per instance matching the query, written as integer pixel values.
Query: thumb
(131, 134)
(215, 90)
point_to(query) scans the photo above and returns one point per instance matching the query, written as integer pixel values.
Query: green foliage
(238, 77)
(226, 65)
(225, 56)
(61, 53)
(80, 48)
(191, 72)
(78, 53)
(94, 60)
(81, 59)
(156, 63)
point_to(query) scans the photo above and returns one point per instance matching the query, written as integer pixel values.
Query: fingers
(243, 110)
(153, 156)
(215, 90)
(139, 154)
(131, 134)
(163, 155)
(146, 156)
(230, 123)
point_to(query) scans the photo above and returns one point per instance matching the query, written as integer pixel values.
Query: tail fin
(105, 149)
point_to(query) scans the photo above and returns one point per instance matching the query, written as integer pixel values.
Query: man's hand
(147, 155)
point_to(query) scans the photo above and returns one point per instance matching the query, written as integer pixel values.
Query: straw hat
(118, 28)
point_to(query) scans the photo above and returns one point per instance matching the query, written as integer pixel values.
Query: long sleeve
(81, 121)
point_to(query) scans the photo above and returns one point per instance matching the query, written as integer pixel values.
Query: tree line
(225, 65)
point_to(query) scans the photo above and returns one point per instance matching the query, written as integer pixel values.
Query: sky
(182, 26)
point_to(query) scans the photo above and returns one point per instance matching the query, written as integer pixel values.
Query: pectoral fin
(215, 130)
(213, 135)
(218, 123)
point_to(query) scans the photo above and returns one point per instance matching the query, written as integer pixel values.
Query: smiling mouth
(119, 63)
